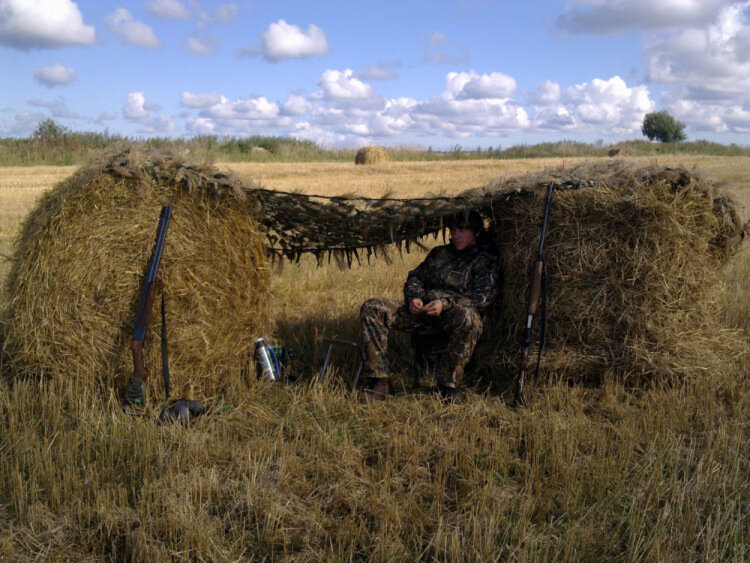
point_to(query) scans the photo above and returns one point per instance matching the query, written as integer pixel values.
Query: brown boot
(450, 395)
(377, 389)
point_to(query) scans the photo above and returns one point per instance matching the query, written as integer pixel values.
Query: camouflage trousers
(463, 325)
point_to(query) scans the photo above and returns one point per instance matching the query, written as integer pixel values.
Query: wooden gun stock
(534, 295)
(135, 390)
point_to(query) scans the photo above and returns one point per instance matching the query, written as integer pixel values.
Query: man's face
(462, 237)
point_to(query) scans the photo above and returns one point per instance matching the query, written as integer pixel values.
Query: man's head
(465, 228)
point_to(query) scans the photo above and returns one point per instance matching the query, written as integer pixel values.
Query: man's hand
(433, 308)
(416, 306)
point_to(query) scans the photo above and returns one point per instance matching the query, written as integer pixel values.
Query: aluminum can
(263, 363)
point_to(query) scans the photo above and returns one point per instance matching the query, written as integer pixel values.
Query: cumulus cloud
(140, 110)
(442, 50)
(131, 31)
(168, 9)
(473, 86)
(286, 41)
(190, 100)
(43, 24)
(609, 17)
(137, 108)
(343, 86)
(249, 115)
(707, 69)
(55, 75)
(296, 105)
(205, 45)
(599, 105)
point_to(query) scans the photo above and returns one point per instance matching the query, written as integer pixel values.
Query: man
(449, 291)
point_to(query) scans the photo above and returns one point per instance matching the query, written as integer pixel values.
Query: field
(306, 473)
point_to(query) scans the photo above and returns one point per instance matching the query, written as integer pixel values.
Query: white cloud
(707, 69)
(296, 105)
(137, 107)
(473, 86)
(707, 60)
(605, 106)
(616, 16)
(43, 24)
(55, 75)
(205, 46)
(548, 92)
(286, 41)
(131, 31)
(343, 86)
(190, 100)
(168, 9)
(140, 110)
(201, 126)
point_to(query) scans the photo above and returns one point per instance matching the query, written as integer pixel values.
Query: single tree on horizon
(660, 125)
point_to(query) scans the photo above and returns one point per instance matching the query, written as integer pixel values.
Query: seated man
(449, 291)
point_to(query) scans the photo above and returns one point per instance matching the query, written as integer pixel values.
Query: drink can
(263, 363)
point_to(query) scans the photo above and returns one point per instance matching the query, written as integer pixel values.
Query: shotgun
(538, 288)
(136, 389)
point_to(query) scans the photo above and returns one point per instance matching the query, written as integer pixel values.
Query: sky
(427, 73)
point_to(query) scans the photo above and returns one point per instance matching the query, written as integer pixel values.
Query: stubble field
(306, 473)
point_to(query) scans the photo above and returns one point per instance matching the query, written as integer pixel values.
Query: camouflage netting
(80, 261)
(633, 256)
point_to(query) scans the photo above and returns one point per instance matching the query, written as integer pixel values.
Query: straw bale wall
(81, 258)
(633, 266)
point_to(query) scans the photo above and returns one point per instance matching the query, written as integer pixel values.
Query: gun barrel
(147, 293)
(534, 294)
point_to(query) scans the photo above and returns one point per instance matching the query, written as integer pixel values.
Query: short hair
(471, 219)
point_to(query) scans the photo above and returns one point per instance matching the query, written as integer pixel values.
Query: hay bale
(371, 155)
(80, 260)
(633, 266)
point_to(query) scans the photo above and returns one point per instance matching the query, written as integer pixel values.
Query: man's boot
(377, 389)
(450, 395)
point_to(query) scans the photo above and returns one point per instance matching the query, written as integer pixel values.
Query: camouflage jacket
(468, 277)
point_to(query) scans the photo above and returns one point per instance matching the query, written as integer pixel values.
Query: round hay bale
(633, 264)
(81, 258)
(371, 155)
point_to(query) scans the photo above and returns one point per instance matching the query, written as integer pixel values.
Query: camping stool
(336, 341)
(428, 345)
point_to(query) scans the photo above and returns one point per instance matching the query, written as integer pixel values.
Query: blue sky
(429, 73)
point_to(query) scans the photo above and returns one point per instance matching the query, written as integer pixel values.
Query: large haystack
(633, 262)
(81, 258)
(371, 155)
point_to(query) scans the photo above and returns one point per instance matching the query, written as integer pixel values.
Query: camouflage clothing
(466, 283)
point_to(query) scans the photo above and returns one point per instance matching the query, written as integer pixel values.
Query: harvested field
(306, 473)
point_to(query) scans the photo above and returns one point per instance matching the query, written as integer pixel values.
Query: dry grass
(305, 473)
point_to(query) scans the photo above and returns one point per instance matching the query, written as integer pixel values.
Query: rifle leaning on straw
(136, 390)
(538, 289)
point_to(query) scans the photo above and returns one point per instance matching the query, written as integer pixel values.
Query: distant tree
(663, 127)
(49, 132)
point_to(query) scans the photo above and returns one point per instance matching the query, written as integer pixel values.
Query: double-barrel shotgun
(135, 392)
(538, 289)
